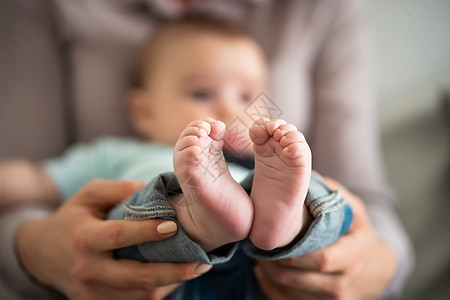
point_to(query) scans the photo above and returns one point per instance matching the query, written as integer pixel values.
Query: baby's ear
(140, 110)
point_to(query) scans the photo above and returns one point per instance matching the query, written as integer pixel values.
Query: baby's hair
(189, 25)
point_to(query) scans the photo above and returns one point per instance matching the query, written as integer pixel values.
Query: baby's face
(204, 76)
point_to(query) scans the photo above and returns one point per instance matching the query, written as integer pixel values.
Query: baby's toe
(188, 141)
(283, 130)
(273, 125)
(217, 129)
(291, 137)
(198, 128)
(258, 132)
(295, 150)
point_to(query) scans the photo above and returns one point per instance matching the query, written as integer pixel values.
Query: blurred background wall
(410, 41)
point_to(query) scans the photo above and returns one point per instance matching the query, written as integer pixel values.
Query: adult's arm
(11, 274)
(345, 141)
(345, 146)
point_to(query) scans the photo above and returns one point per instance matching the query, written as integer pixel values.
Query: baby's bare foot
(280, 184)
(214, 209)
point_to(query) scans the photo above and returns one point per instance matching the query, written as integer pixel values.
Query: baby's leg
(214, 209)
(280, 184)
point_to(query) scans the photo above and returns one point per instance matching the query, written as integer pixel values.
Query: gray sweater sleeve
(345, 141)
(11, 273)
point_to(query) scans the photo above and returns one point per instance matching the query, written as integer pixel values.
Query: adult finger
(335, 258)
(104, 292)
(346, 249)
(100, 292)
(293, 281)
(270, 289)
(106, 193)
(133, 274)
(354, 201)
(339, 255)
(114, 234)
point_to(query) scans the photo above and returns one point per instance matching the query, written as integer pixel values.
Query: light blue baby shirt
(114, 158)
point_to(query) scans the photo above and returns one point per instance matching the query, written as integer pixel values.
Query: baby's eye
(246, 97)
(201, 95)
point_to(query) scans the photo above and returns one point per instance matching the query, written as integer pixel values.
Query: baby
(193, 78)
(192, 72)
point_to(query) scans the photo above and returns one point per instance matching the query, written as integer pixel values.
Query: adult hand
(357, 266)
(71, 249)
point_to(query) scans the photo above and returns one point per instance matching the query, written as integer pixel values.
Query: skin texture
(339, 271)
(280, 183)
(222, 212)
(80, 262)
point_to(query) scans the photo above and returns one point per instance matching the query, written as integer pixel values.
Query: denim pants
(332, 217)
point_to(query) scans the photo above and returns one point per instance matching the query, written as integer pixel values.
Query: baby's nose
(228, 111)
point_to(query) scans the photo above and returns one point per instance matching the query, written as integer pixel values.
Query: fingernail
(202, 269)
(167, 227)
